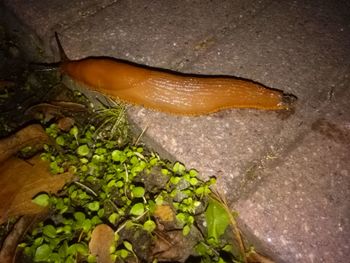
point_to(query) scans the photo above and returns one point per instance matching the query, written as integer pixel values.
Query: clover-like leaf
(60, 140)
(138, 191)
(149, 225)
(94, 206)
(42, 253)
(186, 230)
(79, 216)
(83, 150)
(113, 218)
(42, 200)
(137, 209)
(179, 168)
(50, 231)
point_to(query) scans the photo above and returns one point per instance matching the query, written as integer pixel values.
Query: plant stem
(236, 232)
(86, 188)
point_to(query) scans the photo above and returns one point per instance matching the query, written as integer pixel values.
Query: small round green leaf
(117, 155)
(41, 200)
(42, 253)
(179, 168)
(149, 225)
(181, 217)
(79, 216)
(199, 190)
(186, 230)
(119, 184)
(83, 150)
(74, 131)
(123, 253)
(86, 225)
(137, 209)
(193, 173)
(38, 241)
(101, 212)
(50, 231)
(94, 206)
(113, 218)
(81, 249)
(60, 140)
(193, 181)
(165, 171)
(175, 179)
(138, 191)
(55, 257)
(91, 259)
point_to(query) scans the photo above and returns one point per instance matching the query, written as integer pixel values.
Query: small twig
(86, 188)
(116, 124)
(80, 236)
(113, 204)
(140, 156)
(106, 120)
(161, 236)
(136, 219)
(126, 180)
(141, 134)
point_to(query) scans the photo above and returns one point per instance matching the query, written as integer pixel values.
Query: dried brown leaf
(54, 109)
(171, 246)
(65, 123)
(21, 180)
(164, 213)
(102, 239)
(29, 136)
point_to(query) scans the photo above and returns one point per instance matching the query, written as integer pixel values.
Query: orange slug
(172, 92)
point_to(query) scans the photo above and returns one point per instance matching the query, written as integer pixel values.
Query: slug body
(172, 92)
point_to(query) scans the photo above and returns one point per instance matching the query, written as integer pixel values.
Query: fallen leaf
(32, 135)
(171, 246)
(71, 106)
(21, 180)
(102, 238)
(164, 213)
(65, 123)
(47, 111)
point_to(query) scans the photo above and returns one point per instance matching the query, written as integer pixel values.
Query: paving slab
(154, 33)
(45, 17)
(301, 212)
(302, 48)
(299, 47)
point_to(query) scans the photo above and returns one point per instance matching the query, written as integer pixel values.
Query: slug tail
(63, 55)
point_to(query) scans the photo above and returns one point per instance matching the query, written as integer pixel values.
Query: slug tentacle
(63, 55)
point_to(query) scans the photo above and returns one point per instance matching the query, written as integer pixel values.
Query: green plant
(110, 187)
(113, 123)
(214, 248)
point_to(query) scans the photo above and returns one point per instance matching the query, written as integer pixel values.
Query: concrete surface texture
(288, 178)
